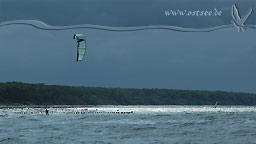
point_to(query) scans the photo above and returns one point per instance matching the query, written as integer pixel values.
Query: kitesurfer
(46, 111)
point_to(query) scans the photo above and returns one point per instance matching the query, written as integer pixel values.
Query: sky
(219, 60)
(120, 13)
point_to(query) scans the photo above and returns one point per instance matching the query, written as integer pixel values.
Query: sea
(164, 124)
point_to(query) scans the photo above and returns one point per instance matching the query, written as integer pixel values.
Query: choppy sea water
(136, 124)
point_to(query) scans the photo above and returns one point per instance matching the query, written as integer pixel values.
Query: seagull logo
(237, 20)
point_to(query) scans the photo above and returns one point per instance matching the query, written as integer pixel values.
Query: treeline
(15, 93)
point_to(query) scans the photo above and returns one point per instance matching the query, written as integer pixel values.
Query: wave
(43, 26)
(7, 139)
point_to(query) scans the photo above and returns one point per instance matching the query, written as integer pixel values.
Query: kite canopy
(81, 46)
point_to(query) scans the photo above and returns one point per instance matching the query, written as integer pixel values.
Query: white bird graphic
(237, 21)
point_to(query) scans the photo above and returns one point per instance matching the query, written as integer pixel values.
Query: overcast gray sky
(219, 60)
(123, 12)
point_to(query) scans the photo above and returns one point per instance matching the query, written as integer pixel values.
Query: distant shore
(57, 106)
(46, 106)
(95, 106)
(16, 94)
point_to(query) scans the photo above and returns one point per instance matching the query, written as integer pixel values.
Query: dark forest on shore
(16, 93)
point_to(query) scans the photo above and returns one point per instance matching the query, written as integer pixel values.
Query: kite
(81, 46)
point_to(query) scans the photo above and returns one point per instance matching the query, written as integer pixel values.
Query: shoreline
(93, 106)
